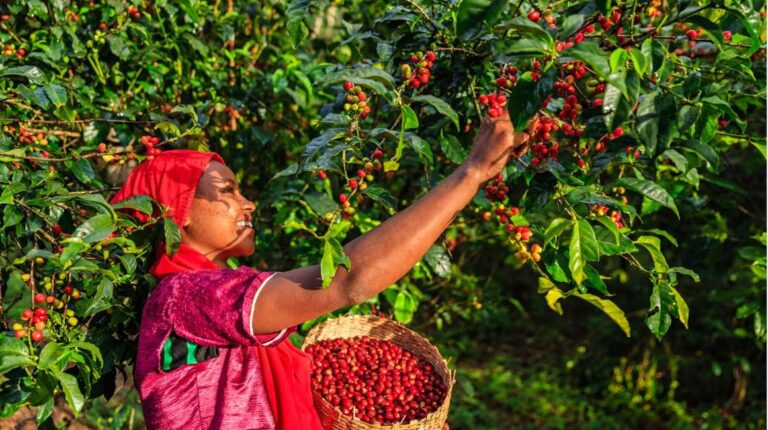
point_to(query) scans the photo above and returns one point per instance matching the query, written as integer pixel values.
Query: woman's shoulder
(213, 278)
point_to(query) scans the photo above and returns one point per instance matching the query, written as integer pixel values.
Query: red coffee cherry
(37, 335)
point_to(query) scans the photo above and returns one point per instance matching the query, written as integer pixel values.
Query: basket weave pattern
(383, 329)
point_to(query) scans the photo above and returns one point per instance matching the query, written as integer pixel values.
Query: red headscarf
(171, 180)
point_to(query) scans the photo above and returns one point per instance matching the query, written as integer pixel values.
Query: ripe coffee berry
(534, 16)
(37, 335)
(375, 381)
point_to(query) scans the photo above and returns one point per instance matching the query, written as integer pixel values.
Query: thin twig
(423, 12)
(78, 121)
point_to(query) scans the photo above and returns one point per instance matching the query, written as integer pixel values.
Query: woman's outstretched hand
(495, 144)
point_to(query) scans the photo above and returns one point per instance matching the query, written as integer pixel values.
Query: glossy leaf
(333, 256)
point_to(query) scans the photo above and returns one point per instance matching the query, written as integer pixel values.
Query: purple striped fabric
(209, 308)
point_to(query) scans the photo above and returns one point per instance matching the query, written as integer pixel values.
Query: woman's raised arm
(382, 256)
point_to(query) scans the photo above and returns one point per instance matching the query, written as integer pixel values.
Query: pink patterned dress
(197, 367)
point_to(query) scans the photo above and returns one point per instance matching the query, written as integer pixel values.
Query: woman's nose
(247, 205)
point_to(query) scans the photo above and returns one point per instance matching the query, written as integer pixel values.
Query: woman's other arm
(382, 256)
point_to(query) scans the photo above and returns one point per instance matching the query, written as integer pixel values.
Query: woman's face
(218, 224)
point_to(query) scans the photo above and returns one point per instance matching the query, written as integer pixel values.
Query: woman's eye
(229, 190)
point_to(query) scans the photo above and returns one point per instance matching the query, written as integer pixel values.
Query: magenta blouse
(212, 309)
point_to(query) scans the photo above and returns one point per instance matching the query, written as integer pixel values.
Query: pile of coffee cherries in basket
(375, 380)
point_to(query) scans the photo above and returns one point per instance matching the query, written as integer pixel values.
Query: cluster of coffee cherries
(356, 101)
(550, 19)
(376, 381)
(600, 145)
(507, 77)
(134, 13)
(10, 51)
(149, 143)
(35, 321)
(577, 38)
(359, 181)
(601, 210)
(544, 147)
(606, 22)
(494, 102)
(418, 72)
(525, 253)
(496, 190)
(28, 137)
(654, 9)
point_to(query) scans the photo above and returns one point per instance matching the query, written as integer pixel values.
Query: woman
(212, 350)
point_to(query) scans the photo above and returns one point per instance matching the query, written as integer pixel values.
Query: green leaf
(38, 9)
(506, 47)
(556, 227)
(171, 235)
(650, 190)
(545, 285)
(142, 204)
(452, 148)
(438, 261)
(32, 73)
(320, 203)
(189, 9)
(583, 248)
(639, 61)
(441, 106)
(527, 97)
(71, 389)
(590, 53)
(296, 12)
(333, 256)
(617, 59)
(595, 280)
(358, 76)
(683, 312)
(316, 144)
(677, 158)
(720, 104)
(653, 246)
(523, 28)
(475, 15)
(410, 120)
(648, 122)
(119, 45)
(422, 148)
(659, 232)
(553, 297)
(56, 94)
(618, 108)
(101, 300)
(13, 353)
(95, 228)
(405, 306)
(51, 356)
(36, 96)
(610, 309)
(82, 170)
(382, 196)
(610, 226)
(687, 272)
(663, 306)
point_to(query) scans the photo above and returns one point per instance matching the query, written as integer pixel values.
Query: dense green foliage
(652, 212)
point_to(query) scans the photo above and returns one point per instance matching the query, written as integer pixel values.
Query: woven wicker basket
(384, 329)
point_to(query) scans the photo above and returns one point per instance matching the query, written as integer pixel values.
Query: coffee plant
(647, 122)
